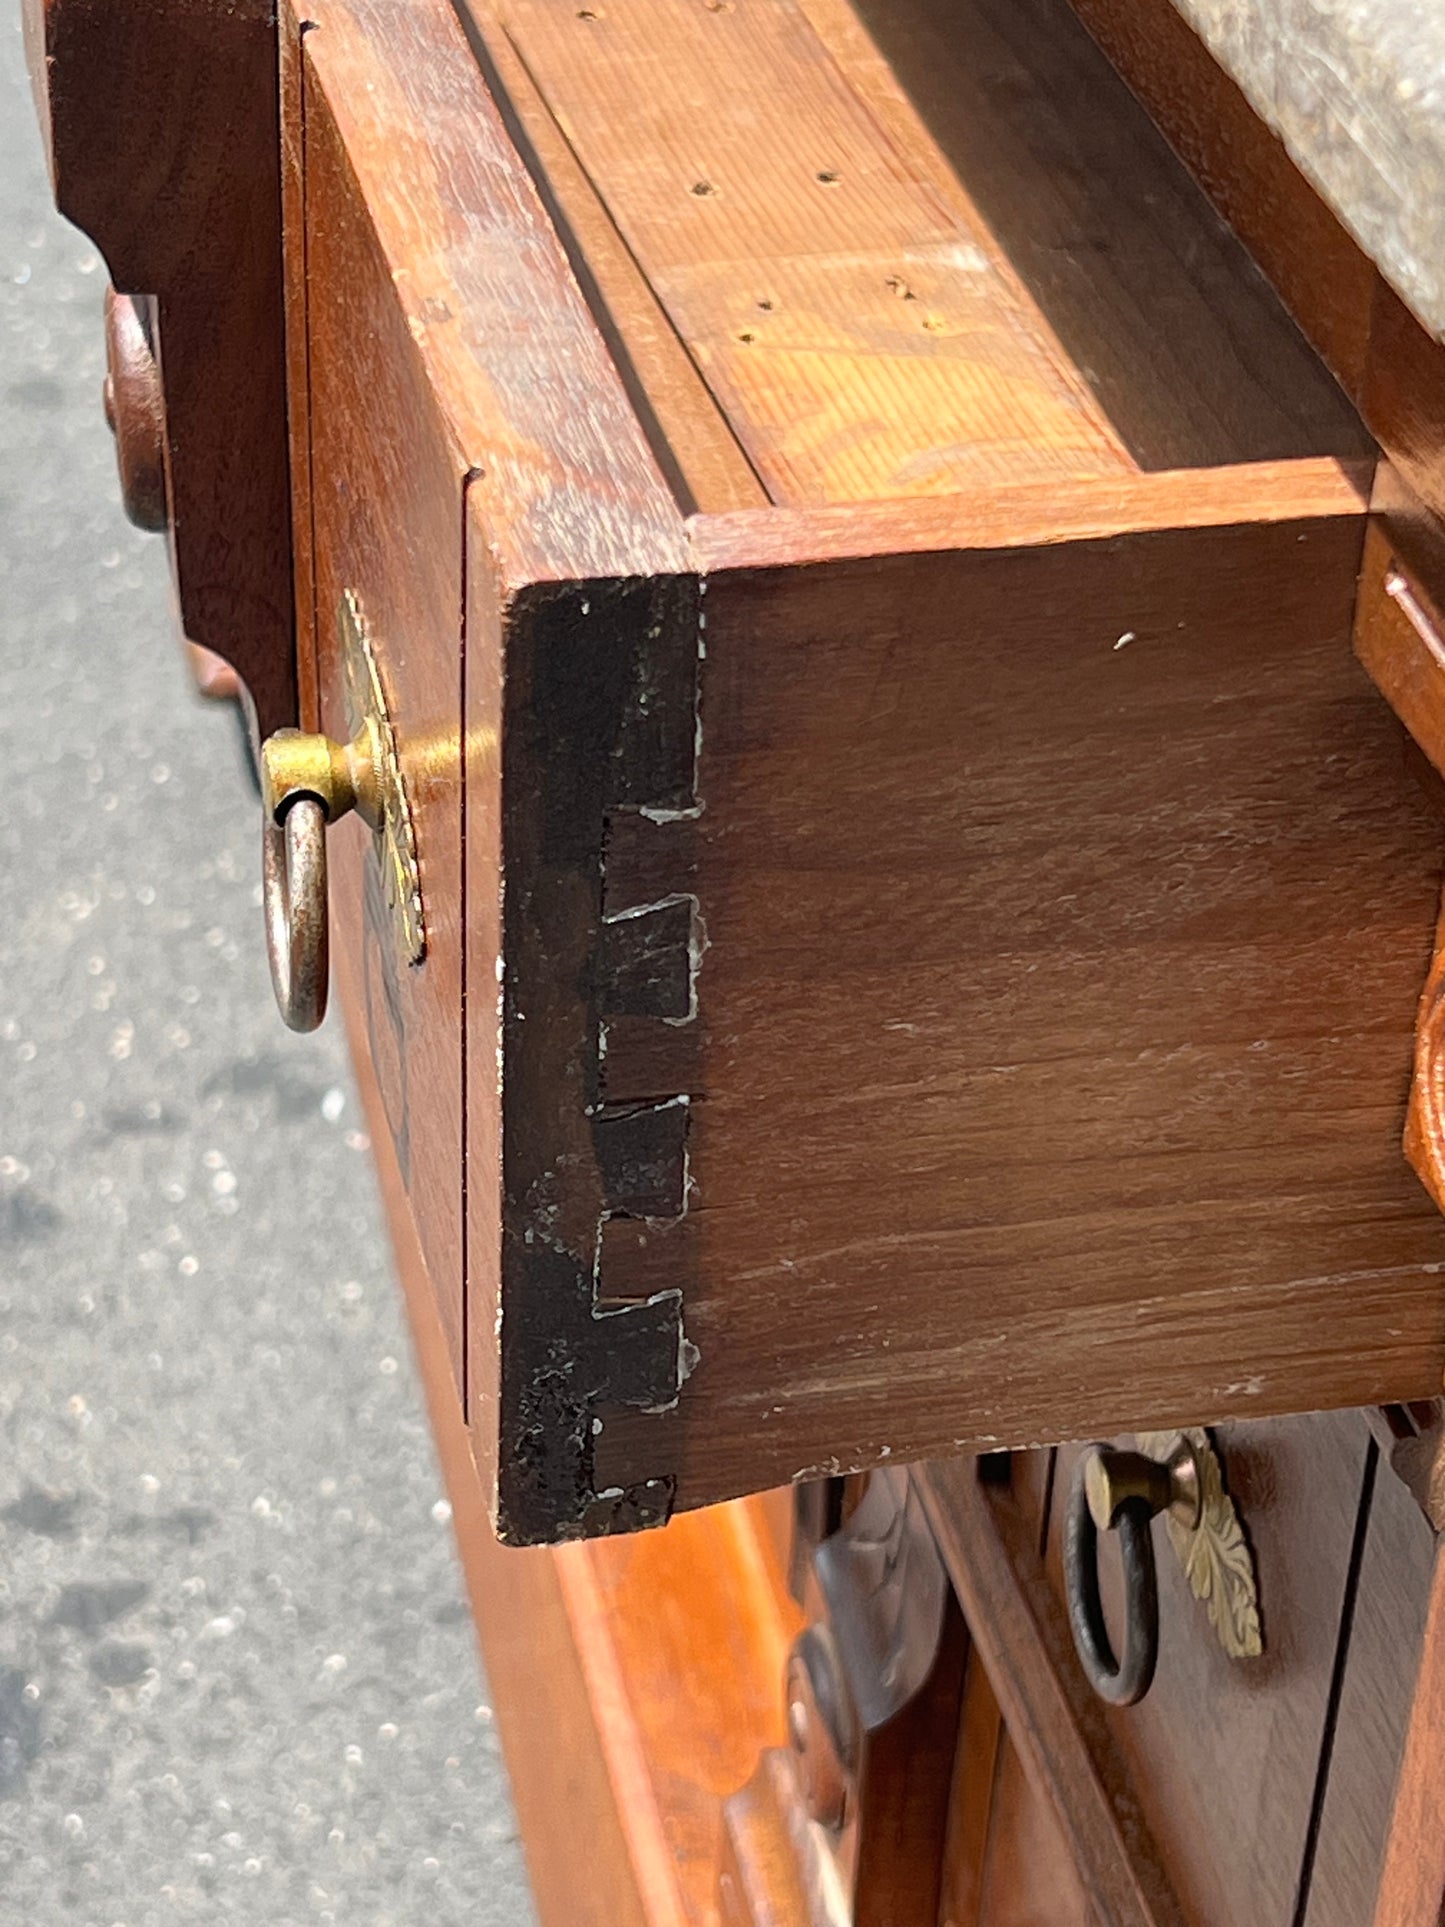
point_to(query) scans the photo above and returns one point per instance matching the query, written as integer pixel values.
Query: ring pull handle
(307, 782)
(1118, 1491)
(293, 882)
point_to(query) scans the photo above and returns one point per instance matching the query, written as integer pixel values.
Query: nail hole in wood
(703, 187)
(828, 177)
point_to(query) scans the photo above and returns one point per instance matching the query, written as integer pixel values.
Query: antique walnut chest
(877, 562)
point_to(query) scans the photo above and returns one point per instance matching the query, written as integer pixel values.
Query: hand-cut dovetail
(642, 1158)
(646, 960)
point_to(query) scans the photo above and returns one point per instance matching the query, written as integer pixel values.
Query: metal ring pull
(307, 782)
(293, 881)
(1116, 1491)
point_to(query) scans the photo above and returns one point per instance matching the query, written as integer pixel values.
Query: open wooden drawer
(924, 912)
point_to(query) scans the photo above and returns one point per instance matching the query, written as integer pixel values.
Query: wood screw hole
(747, 336)
(766, 305)
(702, 188)
(827, 176)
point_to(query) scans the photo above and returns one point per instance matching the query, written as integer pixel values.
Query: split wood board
(907, 252)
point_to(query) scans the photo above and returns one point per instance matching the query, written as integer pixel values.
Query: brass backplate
(395, 831)
(1214, 1553)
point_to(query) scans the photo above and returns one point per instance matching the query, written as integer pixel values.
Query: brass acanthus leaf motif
(1215, 1554)
(366, 704)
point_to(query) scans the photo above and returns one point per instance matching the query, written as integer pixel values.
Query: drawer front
(474, 482)
(1282, 1790)
(385, 525)
(1222, 1756)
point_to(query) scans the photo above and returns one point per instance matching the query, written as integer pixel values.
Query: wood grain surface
(863, 332)
(1400, 638)
(385, 526)
(1360, 1787)
(1045, 899)
(291, 76)
(973, 1803)
(1403, 398)
(1325, 280)
(480, 279)
(687, 430)
(1019, 943)
(1184, 344)
(1027, 1876)
(423, 235)
(1027, 515)
(1051, 1718)
(1012, 128)
(1387, 363)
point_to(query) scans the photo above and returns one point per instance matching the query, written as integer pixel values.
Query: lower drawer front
(1262, 1790)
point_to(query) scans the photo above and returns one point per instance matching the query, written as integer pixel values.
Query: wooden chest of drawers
(919, 912)
(923, 947)
(924, 912)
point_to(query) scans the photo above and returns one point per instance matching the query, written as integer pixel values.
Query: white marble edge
(1356, 91)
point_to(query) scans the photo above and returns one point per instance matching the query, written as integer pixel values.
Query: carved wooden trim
(776, 1867)
(1425, 1118)
(163, 136)
(1412, 1880)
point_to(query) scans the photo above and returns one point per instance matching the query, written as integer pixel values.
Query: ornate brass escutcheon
(1180, 1475)
(367, 715)
(308, 781)
(1213, 1550)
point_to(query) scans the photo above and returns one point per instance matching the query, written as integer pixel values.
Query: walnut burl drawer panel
(904, 974)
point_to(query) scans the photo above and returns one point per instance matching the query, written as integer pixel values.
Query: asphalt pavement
(238, 1680)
